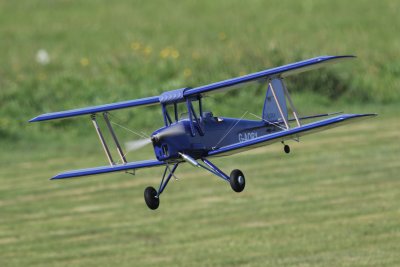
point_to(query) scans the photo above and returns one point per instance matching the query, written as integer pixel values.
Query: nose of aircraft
(173, 130)
(155, 138)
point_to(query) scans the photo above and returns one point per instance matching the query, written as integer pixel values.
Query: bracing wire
(141, 134)
(223, 137)
(270, 122)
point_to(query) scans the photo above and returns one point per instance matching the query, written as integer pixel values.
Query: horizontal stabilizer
(316, 116)
(107, 169)
(289, 134)
(95, 109)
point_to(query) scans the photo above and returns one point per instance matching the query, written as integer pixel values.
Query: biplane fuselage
(215, 134)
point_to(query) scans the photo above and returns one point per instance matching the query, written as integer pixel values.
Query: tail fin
(271, 110)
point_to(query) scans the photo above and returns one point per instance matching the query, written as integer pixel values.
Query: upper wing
(180, 94)
(107, 169)
(102, 108)
(288, 134)
(282, 71)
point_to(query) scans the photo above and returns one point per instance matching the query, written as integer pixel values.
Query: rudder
(271, 110)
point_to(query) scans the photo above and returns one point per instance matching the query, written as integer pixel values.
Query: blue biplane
(201, 135)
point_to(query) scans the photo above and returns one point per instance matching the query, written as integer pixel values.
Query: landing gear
(237, 181)
(151, 198)
(286, 148)
(151, 195)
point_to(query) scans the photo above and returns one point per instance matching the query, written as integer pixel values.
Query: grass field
(334, 201)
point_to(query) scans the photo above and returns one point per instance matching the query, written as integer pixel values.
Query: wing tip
(35, 119)
(371, 114)
(363, 115)
(43, 117)
(348, 57)
(337, 57)
(57, 177)
(367, 115)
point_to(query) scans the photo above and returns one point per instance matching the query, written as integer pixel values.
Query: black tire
(151, 199)
(237, 181)
(286, 148)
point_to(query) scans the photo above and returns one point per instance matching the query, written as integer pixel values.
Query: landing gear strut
(236, 179)
(151, 195)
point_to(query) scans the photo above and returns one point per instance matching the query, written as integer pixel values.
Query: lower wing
(107, 169)
(289, 134)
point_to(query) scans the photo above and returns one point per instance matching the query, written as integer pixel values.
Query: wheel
(286, 148)
(151, 199)
(237, 181)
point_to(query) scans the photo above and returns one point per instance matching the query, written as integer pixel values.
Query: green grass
(332, 202)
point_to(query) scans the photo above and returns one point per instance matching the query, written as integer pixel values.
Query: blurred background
(332, 202)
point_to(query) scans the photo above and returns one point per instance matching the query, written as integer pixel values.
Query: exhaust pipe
(189, 160)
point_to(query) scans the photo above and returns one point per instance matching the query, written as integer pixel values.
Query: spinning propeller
(137, 144)
(172, 130)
